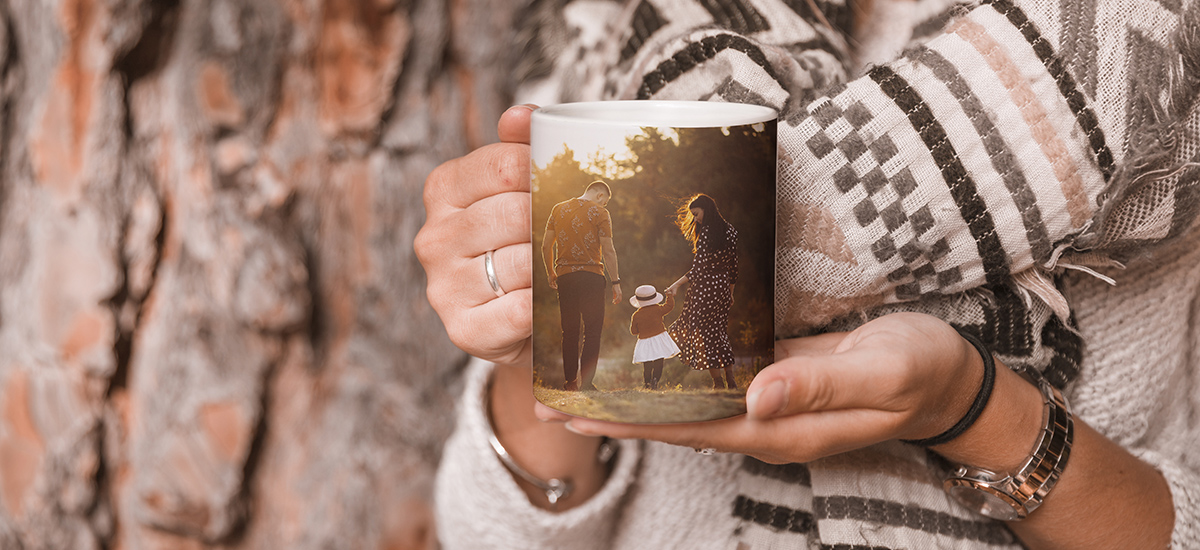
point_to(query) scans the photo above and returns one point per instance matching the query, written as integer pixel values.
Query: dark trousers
(652, 372)
(581, 305)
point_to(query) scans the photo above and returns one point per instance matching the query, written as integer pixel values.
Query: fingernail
(768, 401)
(570, 425)
(526, 106)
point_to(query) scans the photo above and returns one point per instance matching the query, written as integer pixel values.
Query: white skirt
(655, 347)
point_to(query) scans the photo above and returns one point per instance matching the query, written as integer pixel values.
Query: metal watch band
(1014, 496)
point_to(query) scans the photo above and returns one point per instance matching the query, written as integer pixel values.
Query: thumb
(514, 124)
(812, 383)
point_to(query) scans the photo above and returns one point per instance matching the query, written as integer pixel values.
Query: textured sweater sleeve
(1139, 387)
(1185, 493)
(479, 505)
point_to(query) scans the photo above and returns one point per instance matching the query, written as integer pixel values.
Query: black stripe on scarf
(1084, 115)
(935, 24)
(1068, 350)
(736, 15)
(962, 188)
(794, 473)
(1006, 327)
(852, 547)
(819, 43)
(881, 512)
(697, 53)
(646, 20)
(838, 14)
(897, 514)
(779, 518)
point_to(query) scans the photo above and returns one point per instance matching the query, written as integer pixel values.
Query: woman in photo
(702, 329)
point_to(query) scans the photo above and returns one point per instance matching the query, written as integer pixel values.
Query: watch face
(984, 502)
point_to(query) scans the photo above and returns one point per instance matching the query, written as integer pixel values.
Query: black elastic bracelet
(981, 399)
(614, 282)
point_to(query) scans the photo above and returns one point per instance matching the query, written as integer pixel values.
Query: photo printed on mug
(654, 257)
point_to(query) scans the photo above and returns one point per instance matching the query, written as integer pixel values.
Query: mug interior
(675, 114)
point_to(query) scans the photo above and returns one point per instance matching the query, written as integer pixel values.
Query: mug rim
(657, 113)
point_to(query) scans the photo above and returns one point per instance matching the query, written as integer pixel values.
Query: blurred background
(213, 329)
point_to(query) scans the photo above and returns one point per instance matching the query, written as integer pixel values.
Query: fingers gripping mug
(653, 236)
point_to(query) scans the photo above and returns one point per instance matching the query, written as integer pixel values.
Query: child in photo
(654, 343)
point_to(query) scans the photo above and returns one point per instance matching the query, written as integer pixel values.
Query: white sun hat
(645, 295)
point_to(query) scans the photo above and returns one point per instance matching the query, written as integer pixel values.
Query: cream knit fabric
(1140, 386)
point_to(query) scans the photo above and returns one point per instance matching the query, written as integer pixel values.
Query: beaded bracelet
(981, 398)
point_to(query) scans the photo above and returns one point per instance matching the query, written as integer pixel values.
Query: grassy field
(645, 406)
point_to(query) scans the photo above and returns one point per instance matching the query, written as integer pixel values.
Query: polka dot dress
(702, 329)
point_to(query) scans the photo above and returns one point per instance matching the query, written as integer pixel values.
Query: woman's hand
(674, 288)
(474, 204)
(910, 376)
(903, 376)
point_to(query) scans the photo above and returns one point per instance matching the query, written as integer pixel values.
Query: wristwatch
(1013, 496)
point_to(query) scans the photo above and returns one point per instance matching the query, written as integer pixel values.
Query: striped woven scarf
(1011, 140)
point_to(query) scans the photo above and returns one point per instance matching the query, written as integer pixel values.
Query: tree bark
(213, 329)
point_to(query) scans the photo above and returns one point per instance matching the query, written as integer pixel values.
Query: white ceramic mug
(676, 199)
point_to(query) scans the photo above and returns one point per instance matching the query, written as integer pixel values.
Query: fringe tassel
(1035, 281)
(1153, 149)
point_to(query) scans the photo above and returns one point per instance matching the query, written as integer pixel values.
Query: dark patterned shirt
(578, 226)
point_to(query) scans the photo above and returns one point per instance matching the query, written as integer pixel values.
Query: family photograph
(653, 284)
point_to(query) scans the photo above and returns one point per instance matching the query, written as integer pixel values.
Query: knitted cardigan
(1010, 141)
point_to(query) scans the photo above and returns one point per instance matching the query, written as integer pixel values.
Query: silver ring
(489, 266)
(706, 451)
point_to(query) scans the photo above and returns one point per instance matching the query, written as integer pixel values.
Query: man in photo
(577, 248)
